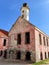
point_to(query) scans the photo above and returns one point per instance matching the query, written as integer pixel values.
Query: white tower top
(25, 11)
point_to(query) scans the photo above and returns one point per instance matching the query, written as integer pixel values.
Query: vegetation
(42, 62)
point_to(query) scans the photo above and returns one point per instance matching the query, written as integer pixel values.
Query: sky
(39, 13)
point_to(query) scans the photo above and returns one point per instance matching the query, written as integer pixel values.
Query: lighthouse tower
(25, 11)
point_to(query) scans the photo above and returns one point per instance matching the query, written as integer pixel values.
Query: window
(22, 16)
(44, 40)
(27, 37)
(47, 41)
(23, 11)
(4, 44)
(40, 39)
(19, 39)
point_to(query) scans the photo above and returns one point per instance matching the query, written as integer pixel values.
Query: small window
(27, 37)
(40, 39)
(23, 11)
(19, 39)
(4, 43)
(22, 16)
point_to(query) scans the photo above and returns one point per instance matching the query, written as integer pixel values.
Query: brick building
(3, 43)
(26, 41)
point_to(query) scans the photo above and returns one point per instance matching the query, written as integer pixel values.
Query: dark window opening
(41, 56)
(18, 55)
(22, 16)
(45, 55)
(19, 39)
(23, 11)
(27, 37)
(47, 41)
(28, 56)
(5, 54)
(4, 44)
(1, 52)
(40, 39)
(44, 40)
(48, 54)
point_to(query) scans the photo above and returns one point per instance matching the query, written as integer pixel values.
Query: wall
(40, 48)
(22, 26)
(2, 37)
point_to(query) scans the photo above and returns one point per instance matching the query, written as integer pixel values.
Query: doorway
(5, 54)
(28, 56)
(45, 55)
(18, 55)
(41, 56)
(48, 54)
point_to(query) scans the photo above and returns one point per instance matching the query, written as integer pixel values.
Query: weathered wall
(40, 48)
(22, 26)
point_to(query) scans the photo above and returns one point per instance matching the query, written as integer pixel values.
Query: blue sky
(39, 13)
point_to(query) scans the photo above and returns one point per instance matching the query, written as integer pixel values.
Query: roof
(5, 32)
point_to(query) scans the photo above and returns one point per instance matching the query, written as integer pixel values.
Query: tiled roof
(5, 32)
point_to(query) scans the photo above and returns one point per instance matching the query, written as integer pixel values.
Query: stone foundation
(12, 54)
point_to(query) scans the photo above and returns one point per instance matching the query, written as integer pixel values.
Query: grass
(42, 62)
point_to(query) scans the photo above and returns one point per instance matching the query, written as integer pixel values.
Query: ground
(4, 62)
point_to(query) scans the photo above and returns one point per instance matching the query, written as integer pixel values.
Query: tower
(25, 11)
